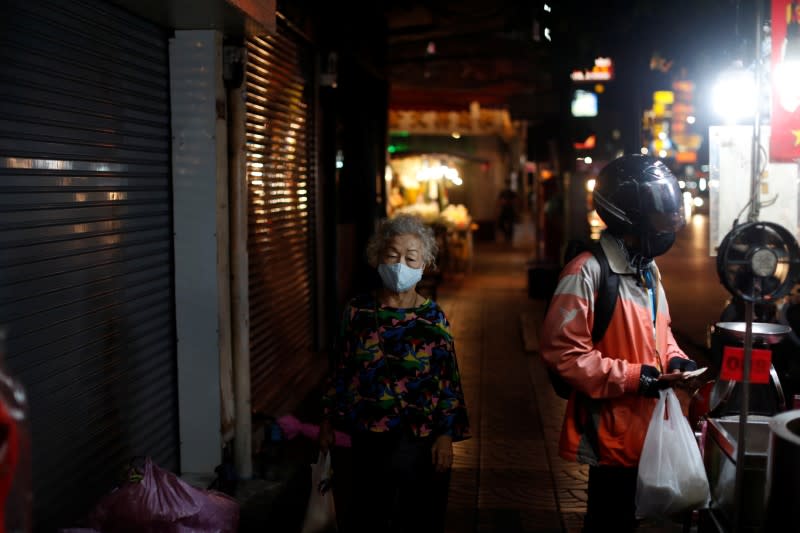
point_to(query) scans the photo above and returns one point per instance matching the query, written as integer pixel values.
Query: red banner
(785, 125)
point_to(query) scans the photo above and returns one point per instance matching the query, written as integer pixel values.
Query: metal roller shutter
(85, 229)
(281, 238)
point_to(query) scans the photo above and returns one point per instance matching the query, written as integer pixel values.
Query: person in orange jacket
(616, 382)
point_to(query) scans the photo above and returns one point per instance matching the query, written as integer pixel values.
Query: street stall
(749, 431)
(460, 228)
(422, 186)
(757, 262)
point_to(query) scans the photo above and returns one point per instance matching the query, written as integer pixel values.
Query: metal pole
(741, 442)
(755, 176)
(240, 274)
(755, 205)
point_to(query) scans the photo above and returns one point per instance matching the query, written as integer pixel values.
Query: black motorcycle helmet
(638, 196)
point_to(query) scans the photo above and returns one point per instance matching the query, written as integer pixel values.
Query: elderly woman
(396, 388)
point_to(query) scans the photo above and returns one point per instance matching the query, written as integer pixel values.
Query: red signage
(785, 123)
(733, 365)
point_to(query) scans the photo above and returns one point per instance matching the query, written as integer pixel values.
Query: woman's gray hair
(403, 225)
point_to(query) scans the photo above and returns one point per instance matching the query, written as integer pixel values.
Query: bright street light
(733, 97)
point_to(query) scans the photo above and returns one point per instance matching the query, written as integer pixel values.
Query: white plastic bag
(672, 477)
(320, 512)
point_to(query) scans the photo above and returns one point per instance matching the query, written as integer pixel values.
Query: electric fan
(759, 263)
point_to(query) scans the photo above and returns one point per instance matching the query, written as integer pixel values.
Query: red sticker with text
(733, 364)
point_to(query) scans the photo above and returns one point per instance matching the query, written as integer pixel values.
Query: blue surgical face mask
(397, 277)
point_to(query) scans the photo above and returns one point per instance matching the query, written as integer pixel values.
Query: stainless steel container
(719, 457)
(783, 470)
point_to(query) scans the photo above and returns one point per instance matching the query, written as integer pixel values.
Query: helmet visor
(662, 196)
(662, 201)
(666, 222)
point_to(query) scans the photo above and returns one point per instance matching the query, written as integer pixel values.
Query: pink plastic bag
(293, 427)
(163, 503)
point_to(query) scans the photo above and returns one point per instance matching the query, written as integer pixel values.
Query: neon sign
(603, 70)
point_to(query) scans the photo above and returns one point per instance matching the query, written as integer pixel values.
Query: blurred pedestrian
(508, 211)
(617, 379)
(396, 388)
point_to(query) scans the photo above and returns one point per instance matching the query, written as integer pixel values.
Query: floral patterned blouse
(396, 371)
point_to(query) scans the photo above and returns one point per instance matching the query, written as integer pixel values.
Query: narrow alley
(508, 478)
(189, 190)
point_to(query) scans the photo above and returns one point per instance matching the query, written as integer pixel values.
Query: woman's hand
(327, 437)
(442, 453)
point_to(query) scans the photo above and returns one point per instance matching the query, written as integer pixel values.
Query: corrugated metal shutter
(85, 229)
(281, 236)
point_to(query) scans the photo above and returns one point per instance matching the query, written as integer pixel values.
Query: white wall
(200, 237)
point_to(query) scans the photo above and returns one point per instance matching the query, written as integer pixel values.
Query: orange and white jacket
(606, 420)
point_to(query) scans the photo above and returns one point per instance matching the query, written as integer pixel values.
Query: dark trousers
(506, 224)
(395, 487)
(611, 504)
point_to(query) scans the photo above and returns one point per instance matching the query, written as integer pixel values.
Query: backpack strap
(607, 294)
(604, 305)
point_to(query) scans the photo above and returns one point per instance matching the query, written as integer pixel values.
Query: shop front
(430, 186)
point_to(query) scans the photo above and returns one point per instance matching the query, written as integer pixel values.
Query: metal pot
(783, 470)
